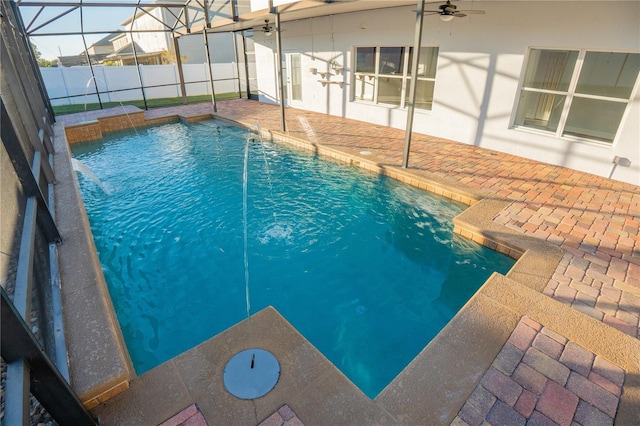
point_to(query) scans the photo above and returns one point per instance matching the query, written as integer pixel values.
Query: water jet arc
(251, 373)
(79, 166)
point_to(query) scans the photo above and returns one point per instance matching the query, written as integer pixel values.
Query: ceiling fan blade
(459, 15)
(473, 12)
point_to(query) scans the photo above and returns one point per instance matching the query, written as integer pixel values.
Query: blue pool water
(366, 268)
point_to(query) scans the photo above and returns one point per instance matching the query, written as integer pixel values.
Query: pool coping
(99, 363)
(487, 320)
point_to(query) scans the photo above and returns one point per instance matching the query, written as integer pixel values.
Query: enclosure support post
(86, 52)
(135, 58)
(208, 56)
(414, 76)
(236, 59)
(246, 64)
(207, 24)
(183, 89)
(279, 68)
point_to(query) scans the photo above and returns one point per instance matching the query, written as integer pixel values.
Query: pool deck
(556, 340)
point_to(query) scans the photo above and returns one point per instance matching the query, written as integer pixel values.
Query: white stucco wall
(479, 69)
(153, 41)
(220, 46)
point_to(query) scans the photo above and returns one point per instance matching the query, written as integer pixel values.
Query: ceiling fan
(267, 29)
(449, 11)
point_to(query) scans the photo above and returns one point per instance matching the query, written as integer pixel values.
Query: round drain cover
(251, 373)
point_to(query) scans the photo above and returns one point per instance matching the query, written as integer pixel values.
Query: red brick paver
(284, 416)
(572, 390)
(190, 416)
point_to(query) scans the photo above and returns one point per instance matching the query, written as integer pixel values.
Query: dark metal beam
(161, 22)
(237, 61)
(283, 121)
(208, 57)
(25, 175)
(16, 403)
(21, 56)
(86, 52)
(102, 4)
(414, 82)
(178, 21)
(47, 385)
(24, 273)
(234, 11)
(246, 64)
(135, 59)
(183, 89)
(98, 32)
(34, 18)
(53, 19)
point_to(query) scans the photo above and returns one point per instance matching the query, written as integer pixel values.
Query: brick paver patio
(539, 377)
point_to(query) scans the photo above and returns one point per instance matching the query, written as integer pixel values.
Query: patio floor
(567, 350)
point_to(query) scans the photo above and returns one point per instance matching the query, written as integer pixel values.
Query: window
(296, 76)
(382, 75)
(577, 92)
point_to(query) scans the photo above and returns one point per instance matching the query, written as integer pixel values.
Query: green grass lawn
(151, 103)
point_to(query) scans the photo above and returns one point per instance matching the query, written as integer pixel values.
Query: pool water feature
(366, 268)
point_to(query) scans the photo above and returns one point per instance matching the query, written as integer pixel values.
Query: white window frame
(571, 94)
(376, 75)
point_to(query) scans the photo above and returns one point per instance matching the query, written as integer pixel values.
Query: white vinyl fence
(75, 85)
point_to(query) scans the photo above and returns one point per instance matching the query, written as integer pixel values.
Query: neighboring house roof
(127, 49)
(105, 41)
(126, 53)
(81, 59)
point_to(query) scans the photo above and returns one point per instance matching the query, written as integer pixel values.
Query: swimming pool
(366, 268)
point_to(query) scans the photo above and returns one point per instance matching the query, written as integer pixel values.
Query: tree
(43, 63)
(169, 57)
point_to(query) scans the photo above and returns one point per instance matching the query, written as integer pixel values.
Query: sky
(95, 19)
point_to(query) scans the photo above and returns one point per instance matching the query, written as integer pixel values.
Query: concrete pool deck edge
(99, 363)
(483, 325)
